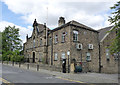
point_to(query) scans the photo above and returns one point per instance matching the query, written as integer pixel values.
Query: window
(107, 55)
(88, 58)
(40, 41)
(56, 57)
(75, 35)
(63, 55)
(63, 37)
(40, 57)
(115, 56)
(56, 39)
(50, 41)
(34, 43)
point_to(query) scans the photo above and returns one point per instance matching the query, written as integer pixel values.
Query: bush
(12, 56)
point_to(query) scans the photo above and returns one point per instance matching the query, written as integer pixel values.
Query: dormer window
(56, 38)
(75, 35)
(63, 37)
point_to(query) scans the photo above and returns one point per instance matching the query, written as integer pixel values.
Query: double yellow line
(5, 81)
(70, 80)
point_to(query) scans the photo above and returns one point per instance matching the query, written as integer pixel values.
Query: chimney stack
(61, 21)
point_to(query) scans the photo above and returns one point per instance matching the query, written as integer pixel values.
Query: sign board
(68, 53)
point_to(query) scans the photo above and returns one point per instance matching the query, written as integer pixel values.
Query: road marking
(70, 80)
(5, 81)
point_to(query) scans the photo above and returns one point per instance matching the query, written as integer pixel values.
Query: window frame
(62, 55)
(55, 56)
(88, 55)
(56, 39)
(50, 40)
(40, 41)
(63, 37)
(107, 54)
(75, 35)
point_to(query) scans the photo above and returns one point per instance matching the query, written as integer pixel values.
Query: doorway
(33, 57)
(64, 65)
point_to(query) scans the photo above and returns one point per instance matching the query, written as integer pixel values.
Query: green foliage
(0, 42)
(11, 44)
(10, 39)
(115, 19)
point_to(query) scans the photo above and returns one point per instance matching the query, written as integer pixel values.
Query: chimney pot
(61, 21)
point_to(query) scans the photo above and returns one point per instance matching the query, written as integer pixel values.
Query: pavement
(58, 77)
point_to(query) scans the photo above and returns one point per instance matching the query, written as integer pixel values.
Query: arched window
(33, 42)
(107, 55)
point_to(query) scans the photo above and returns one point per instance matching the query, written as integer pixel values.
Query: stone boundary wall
(44, 66)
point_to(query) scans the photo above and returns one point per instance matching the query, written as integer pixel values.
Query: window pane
(63, 37)
(63, 56)
(75, 35)
(56, 39)
(88, 57)
(75, 32)
(56, 56)
(40, 42)
(107, 54)
(34, 43)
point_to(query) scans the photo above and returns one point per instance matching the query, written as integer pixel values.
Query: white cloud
(89, 12)
(23, 31)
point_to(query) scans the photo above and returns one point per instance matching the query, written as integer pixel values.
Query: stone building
(109, 63)
(51, 46)
(71, 44)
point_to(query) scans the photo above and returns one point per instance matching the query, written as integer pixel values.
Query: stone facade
(109, 63)
(52, 46)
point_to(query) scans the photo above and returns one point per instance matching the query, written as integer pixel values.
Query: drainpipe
(99, 57)
(52, 49)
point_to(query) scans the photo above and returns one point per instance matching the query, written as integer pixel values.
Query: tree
(115, 20)
(0, 45)
(10, 42)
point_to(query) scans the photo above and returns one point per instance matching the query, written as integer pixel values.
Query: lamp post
(68, 53)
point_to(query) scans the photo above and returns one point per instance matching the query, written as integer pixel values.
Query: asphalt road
(19, 76)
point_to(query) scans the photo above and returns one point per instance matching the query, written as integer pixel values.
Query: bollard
(27, 66)
(13, 63)
(19, 64)
(2, 62)
(7, 62)
(37, 67)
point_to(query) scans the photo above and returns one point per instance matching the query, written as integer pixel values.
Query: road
(11, 74)
(17, 75)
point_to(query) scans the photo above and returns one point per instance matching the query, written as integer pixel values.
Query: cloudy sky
(21, 13)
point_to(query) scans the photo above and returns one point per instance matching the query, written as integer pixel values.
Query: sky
(21, 13)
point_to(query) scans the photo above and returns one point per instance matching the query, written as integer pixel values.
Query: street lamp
(68, 53)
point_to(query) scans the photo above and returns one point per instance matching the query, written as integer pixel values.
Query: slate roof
(103, 31)
(76, 24)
